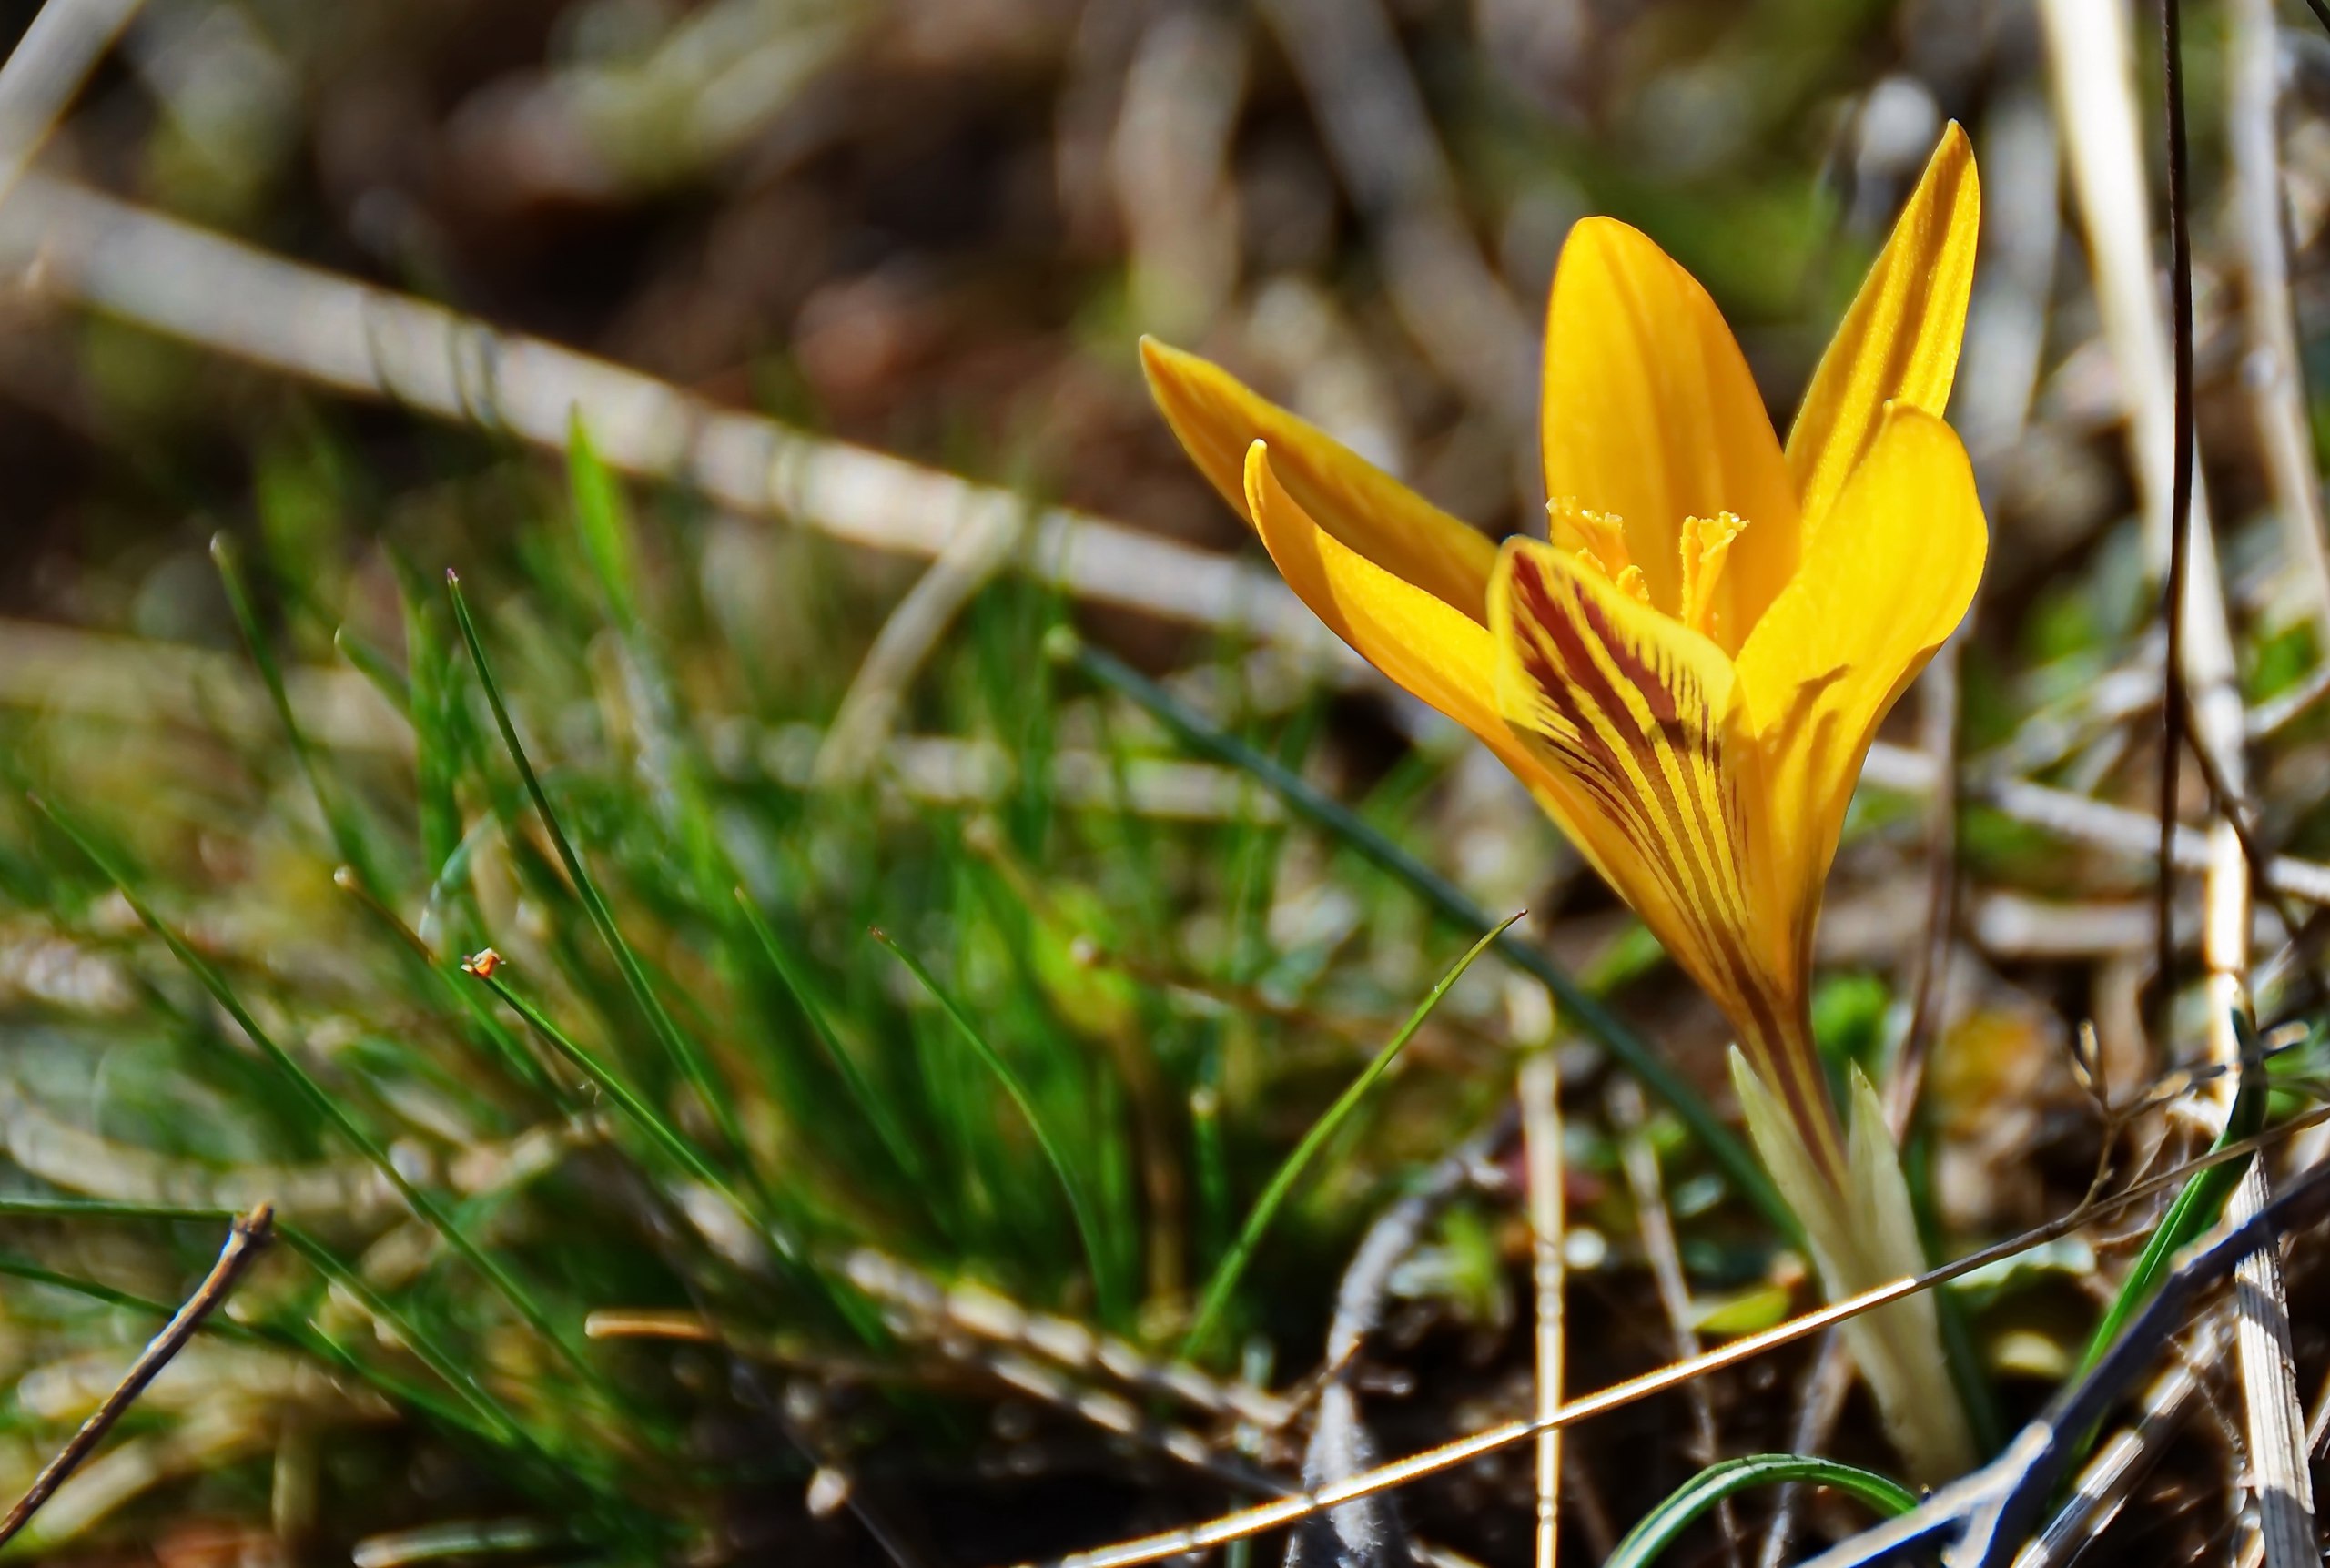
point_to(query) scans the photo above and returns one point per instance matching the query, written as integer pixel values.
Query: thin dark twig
(246, 1241)
(2175, 713)
(2321, 11)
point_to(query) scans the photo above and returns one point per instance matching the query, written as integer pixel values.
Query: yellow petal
(1638, 717)
(1650, 413)
(1217, 419)
(1899, 342)
(1887, 579)
(1426, 647)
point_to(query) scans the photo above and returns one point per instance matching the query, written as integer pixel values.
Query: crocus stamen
(1602, 535)
(1705, 546)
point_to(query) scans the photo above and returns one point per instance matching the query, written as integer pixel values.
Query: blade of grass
(681, 1150)
(870, 1101)
(1080, 1202)
(355, 846)
(1331, 815)
(852, 1309)
(497, 1037)
(1227, 1273)
(2196, 1208)
(1648, 1541)
(599, 521)
(685, 1053)
(362, 874)
(329, 1108)
(299, 1337)
(499, 1424)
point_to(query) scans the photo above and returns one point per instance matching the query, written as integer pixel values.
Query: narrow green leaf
(685, 1052)
(1331, 815)
(1659, 1528)
(2196, 1208)
(683, 1152)
(326, 1107)
(600, 520)
(871, 1102)
(1226, 1274)
(1079, 1201)
(349, 837)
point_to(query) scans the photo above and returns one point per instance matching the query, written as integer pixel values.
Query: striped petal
(1218, 419)
(1426, 648)
(1650, 415)
(1639, 717)
(1899, 342)
(1886, 581)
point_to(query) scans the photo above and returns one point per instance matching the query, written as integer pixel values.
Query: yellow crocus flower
(1687, 673)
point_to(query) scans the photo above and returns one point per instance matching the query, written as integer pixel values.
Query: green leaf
(1331, 815)
(1226, 1274)
(1660, 1529)
(1079, 1201)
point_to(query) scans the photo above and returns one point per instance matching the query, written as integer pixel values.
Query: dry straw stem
(2270, 369)
(247, 1238)
(1278, 1514)
(1541, 1146)
(2092, 55)
(1380, 135)
(2107, 1480)
(45, 70)
(204, 288)
(854, 745)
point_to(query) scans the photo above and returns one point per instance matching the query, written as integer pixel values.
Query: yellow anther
(1705, 546)
(1602, 533)
(1632, 581)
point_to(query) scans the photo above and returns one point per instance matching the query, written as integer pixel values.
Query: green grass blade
(870, 1101)
(598, 519)
(501, 1421)
(355, 846)
(1227, 1273)
(2196, 1208)
(500, 1424)
(375, 665)
(687, 1055)
(1648, 1541)
(1079, 1201)
(667, 1138)
(790, 1248)
(431, 1212)
(1331, 815)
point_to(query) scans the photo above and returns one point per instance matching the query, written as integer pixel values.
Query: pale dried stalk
(2271, 368)
(207, 290)
(2092, 55)
(1541, 1146)
(1647, 1187)
(46, 68)
(1377, 131)
(861, 726)
(2105, 1483)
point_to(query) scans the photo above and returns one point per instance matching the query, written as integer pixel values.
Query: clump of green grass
(696, 1073)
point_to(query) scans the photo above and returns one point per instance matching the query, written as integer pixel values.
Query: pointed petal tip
(1261, 485)
(1159, 360)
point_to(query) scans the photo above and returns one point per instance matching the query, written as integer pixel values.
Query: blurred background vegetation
(862, 939)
